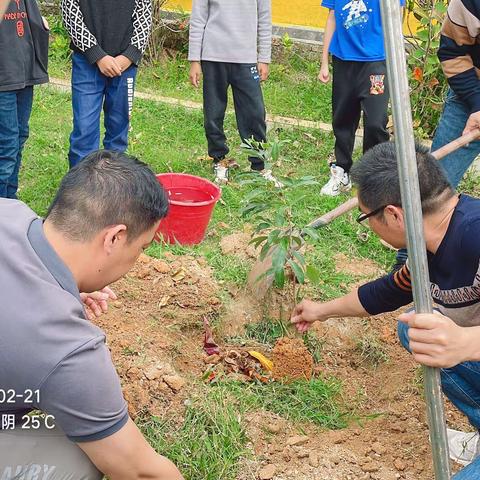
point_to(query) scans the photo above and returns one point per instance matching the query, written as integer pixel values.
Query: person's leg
(24, 110)
(451, 125)
(88, 87)
(8, 138)
(346, 110)
(215, 86)
(249, 106)
(117, 109)
(461, 384)
(45, 454)
(374, 100)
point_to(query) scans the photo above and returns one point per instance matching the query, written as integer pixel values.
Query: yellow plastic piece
(266, 363)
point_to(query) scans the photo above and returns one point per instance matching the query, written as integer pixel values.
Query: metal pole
(417, 257)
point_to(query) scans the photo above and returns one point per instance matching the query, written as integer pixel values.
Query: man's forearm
(347, 306)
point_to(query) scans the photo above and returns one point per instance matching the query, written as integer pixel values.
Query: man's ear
(395, 213)
(114, 236)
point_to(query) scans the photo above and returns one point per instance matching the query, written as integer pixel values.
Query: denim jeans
(454, 117)
(91, 90)
(15, 110)
(461, 384)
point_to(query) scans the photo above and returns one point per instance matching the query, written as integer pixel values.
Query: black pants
(357, 87)
(247, 99)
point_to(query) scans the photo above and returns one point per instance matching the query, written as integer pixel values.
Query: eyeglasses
(364, 216)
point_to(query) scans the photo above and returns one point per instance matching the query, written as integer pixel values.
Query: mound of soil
(291, 360)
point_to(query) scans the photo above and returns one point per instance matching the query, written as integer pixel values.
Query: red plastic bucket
(191, 202)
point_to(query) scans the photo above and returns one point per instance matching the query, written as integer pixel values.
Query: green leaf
(297, 271)
(257, 240)
(299, 257)
(311, 232)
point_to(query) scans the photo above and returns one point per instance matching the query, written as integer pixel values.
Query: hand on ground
(263, 71)
(324, 74)
(123, 62)
(195, 73)
(473, 122)
(96, 303)
(437, 341)
(109, 66)
(304, 314)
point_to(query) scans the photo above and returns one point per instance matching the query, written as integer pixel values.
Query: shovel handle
(353, 202)
(456, 144)
(333, 214)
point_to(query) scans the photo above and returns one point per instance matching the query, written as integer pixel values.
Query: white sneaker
(463, 447)
(339, 182)
(267, 175)
(220, 169)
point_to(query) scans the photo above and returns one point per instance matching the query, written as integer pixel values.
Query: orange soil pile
(291, 360)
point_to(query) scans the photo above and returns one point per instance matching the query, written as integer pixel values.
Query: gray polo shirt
(232, 31)
(47, 345)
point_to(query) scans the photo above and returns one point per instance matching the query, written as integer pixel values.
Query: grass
(210, 442)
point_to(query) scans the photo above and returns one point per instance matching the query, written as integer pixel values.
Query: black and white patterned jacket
(108, 27)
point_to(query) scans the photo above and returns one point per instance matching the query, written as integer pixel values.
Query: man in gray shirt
(230, 43)
(52, 358)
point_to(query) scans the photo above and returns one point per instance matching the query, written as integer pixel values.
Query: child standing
(23, 64)
(354, 37)
(230, 43)
(108, 41)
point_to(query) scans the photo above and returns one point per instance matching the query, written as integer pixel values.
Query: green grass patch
(313, 401)
(210, 442)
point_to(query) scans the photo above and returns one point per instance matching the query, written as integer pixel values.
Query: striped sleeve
(142, 25)
(388, 293)
(459, 52)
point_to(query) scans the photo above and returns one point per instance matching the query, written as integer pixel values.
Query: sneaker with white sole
(267, 175)
(220, 170)
(463, 447)
(339, 182)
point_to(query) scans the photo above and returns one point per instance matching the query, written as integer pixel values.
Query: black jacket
(23, 46)
(108, 27)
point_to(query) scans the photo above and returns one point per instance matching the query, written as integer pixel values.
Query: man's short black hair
(107, 188)
(378, 183)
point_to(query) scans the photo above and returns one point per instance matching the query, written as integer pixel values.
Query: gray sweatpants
(43, 455)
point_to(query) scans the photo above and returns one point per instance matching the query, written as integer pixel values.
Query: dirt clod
(267, 472)
(175, 382)
(291, 360)
(297, 440)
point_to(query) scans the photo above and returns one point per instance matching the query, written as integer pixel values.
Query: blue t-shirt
(358, 33)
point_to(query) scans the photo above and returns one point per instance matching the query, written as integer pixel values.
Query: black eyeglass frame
(363, 216)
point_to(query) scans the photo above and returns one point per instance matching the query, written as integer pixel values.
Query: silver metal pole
(417, 257)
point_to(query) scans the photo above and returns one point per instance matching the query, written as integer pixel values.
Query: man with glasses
(451, 225)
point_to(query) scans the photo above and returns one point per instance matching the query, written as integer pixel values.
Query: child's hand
(263, 71)
(123, 62)
(324, 74)
(109, 67)
(195, 73)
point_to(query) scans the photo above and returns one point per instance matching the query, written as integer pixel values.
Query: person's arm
(385, 294)
(264, 37)
(3, 7)
(458, 38)
(437, 341)
(198, 21)
(126, 455)
(308, 312)
(324, 74)
(142, 25)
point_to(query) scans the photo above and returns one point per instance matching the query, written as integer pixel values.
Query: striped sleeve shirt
(459, 51)
(454, 272)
